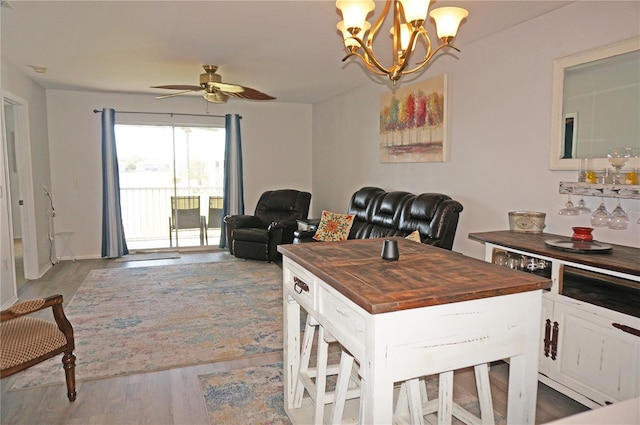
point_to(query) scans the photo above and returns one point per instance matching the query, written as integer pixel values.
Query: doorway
(14, 192)
(20, 188)
(168, 176)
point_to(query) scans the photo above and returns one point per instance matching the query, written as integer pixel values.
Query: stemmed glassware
(618, 157)
(618, 219)
(582, 207)
(569, 208)
(600, 217)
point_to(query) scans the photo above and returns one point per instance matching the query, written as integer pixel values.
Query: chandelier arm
(367, 63)
(406, 55)
(369, 58)
(397, 47)
(427, 58)
(378, 23)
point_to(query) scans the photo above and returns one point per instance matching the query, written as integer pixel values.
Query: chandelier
(407, 30)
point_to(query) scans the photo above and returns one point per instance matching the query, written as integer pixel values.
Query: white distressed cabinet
(590, 326)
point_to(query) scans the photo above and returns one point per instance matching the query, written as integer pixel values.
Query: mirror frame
(557, 118)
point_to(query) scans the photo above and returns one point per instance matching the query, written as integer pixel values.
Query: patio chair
(215, 216)
(185, 215)
(27, 341)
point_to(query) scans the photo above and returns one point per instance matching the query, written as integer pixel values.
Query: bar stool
(413, 402)
(347, 383)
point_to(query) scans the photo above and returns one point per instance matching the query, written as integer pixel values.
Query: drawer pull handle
(300, 286)
(627, 329)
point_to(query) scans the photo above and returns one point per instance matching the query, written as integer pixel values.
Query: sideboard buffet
(590, 329)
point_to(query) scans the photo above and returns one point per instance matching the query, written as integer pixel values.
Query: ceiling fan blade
(175, 94)
(179, 87)
(251, 94)
(227, 88)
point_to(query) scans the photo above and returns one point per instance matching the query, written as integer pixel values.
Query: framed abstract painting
(413, 122)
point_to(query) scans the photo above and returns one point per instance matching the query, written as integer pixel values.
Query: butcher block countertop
(623, 259)
(423, 275)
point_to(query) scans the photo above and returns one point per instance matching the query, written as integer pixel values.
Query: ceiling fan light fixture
(216, 97)
(215, 91)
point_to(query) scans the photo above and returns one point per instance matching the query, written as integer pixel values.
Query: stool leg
(342, 385)
(445, 398)
(415, 401)
(307, 343)
(402, 405)
(321, 376)
(484, 394)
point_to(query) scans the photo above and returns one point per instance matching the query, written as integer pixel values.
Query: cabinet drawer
(348, 323)
(301, 285)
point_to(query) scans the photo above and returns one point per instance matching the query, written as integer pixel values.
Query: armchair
(257, 236)
(27, 341)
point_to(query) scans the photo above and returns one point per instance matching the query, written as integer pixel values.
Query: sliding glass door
(168, 175)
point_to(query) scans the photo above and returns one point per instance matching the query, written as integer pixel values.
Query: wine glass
(618, 157)
(618, 219)
(600, 217)
(582, 207)
(568, 208)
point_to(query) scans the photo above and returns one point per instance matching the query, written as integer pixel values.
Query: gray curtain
(113, 241)
(233, 202)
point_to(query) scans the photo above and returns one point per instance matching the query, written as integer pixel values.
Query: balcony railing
(146, 212)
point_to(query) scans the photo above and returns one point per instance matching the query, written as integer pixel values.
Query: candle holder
(390, 250)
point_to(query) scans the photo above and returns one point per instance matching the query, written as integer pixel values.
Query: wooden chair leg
(69, 365)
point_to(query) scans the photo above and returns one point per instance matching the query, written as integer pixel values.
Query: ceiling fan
(215, 90)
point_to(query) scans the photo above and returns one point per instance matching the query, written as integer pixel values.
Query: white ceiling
(288, 49)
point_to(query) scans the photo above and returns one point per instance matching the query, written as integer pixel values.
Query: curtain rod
(95, 111)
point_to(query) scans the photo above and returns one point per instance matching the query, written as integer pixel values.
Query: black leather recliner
(256, 237)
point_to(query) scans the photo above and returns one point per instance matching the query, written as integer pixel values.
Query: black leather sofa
(380, 214)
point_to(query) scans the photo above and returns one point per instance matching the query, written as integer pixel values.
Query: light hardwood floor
(173, 396)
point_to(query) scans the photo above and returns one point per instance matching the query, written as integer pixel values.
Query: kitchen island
(431, 311)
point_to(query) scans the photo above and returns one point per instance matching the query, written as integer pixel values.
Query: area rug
(146, 319)
(255, 395)
(146, 256)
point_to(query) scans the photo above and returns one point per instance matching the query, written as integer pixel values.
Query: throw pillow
(414, 236)
(334, 227)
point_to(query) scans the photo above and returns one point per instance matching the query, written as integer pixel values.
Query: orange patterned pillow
(334, 227)
(414, 236)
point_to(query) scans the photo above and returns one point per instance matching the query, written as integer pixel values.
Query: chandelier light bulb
(354, 12)
(448, 21)
(350, 42)
(405, 35)
(415, 10)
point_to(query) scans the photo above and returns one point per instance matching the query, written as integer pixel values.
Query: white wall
(276, 141)
(499, 122)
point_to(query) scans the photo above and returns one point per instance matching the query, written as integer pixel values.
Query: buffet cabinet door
(596, 352)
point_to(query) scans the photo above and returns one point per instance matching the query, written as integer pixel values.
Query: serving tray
(578, 246)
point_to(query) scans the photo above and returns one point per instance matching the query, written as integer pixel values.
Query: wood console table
(590, 326)
(431, 311)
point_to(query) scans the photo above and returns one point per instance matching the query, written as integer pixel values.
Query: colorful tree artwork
(413, 123)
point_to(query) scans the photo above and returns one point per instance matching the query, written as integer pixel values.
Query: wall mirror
(596, 104)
